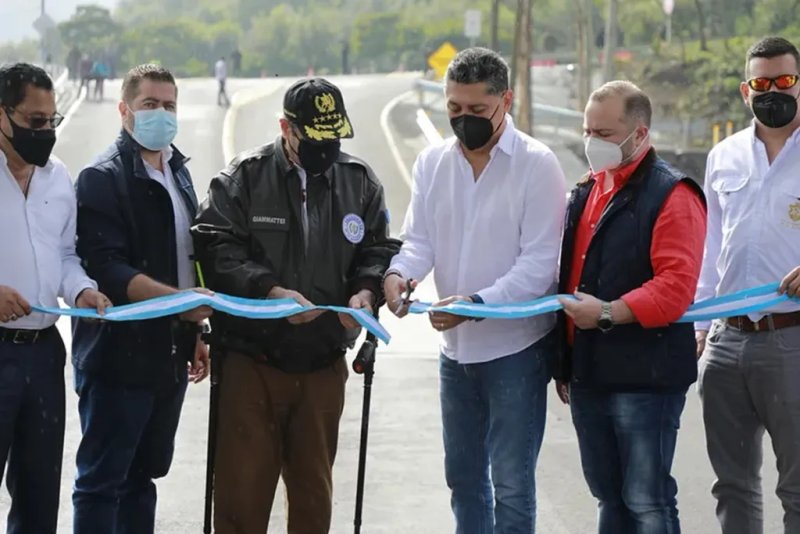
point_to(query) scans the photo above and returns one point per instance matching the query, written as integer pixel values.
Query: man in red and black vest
(632, 250)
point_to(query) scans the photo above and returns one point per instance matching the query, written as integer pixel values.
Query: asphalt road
(405, 483)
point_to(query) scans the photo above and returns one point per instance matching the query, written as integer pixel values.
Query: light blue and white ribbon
(240, 307)
(740, 303)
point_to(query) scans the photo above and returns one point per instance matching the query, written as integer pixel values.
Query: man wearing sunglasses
(39, 264)
(749, 368)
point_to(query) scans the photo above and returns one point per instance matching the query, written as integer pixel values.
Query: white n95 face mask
(604, 155)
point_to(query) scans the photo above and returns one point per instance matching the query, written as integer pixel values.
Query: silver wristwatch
(605, 322)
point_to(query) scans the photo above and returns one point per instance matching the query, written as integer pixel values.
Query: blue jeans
(627, 443)
(128, 440)
(493, 413)
(32, 431)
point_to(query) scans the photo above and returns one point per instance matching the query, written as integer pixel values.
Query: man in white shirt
(750, 368)
(221, 74)
(486, 216)
(37, 217)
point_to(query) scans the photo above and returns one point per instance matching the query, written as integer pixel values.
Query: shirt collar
(751, 132)
(166, 157)
(623, 174)
(507, 138)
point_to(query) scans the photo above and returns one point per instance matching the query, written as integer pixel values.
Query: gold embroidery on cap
(329, 131)
(325, 103)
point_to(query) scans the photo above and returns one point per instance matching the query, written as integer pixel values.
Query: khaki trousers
(275, 424)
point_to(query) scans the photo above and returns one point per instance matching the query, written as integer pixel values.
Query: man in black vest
(632, 250)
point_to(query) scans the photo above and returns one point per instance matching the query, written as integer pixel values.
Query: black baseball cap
(316, 106)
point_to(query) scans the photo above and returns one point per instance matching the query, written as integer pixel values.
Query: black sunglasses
(38, 122)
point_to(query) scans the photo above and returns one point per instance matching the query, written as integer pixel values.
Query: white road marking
(240, 99)
(71, 111)
(390, 137)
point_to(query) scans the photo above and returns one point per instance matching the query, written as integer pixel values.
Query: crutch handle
(365, 357)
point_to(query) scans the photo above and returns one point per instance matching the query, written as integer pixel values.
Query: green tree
(90, 28)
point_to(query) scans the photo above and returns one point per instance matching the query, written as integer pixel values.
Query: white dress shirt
(37, 241)
(753, 218)
(499, 237)
(183, 219)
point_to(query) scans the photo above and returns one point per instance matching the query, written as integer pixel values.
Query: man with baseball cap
(296, 218)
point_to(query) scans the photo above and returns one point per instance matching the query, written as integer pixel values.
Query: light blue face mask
(154, 129)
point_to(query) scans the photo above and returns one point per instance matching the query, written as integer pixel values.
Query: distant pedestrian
(74, 63)
(85, 68)
(99, 73)
(221, 74)
(236, 57)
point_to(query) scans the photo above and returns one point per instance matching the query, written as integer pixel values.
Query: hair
(480, 65)
(637, 103)
(768, 48)
(148, 71)
(15, 79)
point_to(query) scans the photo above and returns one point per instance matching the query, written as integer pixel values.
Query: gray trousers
(748, 383)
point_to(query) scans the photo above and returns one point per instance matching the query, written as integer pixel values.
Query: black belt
(24, 337)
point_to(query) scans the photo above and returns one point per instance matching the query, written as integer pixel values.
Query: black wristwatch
(605, 322)
(476, 299)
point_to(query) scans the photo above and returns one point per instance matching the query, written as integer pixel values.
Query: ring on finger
(14, 317)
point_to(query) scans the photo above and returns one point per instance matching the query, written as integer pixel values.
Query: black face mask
(775, 110)
(316, 159)
(473, 131)
(33, 146)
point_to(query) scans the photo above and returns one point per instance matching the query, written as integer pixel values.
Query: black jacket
(249, 238)
(628, 357)
(126, 226)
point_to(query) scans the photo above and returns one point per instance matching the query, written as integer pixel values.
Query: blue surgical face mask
(154, 129)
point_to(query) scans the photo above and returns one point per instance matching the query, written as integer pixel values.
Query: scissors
(405, 300)
(409, 290)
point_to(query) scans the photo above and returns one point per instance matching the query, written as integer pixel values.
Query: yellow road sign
(440, 59)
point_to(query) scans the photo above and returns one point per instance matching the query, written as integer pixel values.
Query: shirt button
(592, 225)
(583, 256)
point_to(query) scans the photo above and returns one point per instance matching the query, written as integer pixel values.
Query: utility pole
(610, 41)
(42, 7)
(584, 49)
(495, 22)
(521, 65)
(590, 50)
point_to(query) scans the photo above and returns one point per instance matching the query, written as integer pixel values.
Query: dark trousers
(32, 430)
(222, 96)
(627, 443)
(128, 440)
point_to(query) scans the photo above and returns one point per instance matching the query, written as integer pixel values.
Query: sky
(17, 16)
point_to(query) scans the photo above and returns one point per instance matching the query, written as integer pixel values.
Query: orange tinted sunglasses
(782, 82)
